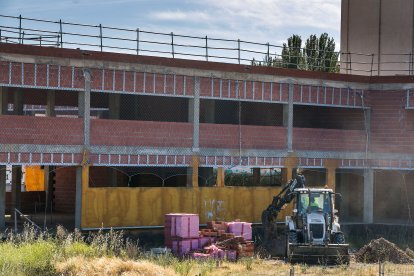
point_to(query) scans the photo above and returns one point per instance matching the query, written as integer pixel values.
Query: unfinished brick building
(123, 139)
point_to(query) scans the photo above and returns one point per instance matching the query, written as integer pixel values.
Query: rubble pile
(409, 252)
(220, 240)
(381, 250)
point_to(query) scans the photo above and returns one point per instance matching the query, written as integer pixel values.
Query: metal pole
(15, 221)
(100, 35)
(238, 49)
(268, 54)
(61, 33)
(22, 37)
(40, 40)
(206, 49)
(20, 29)
(372, 63)
(137, 41)
(172, 44)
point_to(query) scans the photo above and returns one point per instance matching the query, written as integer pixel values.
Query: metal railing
(22, 30)
(18, 214)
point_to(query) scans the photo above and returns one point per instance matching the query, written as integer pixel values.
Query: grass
(109, 253)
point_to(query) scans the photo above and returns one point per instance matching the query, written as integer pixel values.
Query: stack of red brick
(221, 240)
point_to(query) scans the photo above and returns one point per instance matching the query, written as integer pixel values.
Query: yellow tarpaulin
(34, 179)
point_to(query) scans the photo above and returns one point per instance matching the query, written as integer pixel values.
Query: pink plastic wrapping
(243, 229)
(183, 247)
(181, 226)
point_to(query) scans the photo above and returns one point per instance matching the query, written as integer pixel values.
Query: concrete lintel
(110, 65)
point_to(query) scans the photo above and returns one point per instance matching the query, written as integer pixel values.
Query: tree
(292, 53)
(320, 55)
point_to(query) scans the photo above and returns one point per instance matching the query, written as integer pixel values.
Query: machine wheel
(339, 238)
(293, 237)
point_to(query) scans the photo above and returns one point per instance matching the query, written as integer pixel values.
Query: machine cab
(314, 200)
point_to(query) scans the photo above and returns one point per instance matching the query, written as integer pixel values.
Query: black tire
(293, 237)
(339, 238)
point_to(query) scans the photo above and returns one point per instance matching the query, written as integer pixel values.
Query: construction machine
(311, 234)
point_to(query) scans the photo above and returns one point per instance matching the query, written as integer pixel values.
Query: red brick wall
(252, 137)
(65, 190)
(141, 133)
(328, 139)
(391, 123)
(40, 130)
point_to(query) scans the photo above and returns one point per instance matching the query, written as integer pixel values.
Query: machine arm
(284, 197)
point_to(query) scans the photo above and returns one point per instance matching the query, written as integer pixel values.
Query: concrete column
(368, 196)
(84, 106)
(113, 177)
(18, 102)
(82, 184)
(115, 106)
(16, 188)
(194, 117)
(49, 189)
(2, 198)
(256, 176)
(290, 120)
(50, 108)
(3, 100)
(331, 166)
(207, 174)
(220, 177)
(192, 172)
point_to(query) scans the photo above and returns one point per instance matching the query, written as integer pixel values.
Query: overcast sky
(252, 20)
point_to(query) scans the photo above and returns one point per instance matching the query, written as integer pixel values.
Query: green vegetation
(109, 253)
(318, 54)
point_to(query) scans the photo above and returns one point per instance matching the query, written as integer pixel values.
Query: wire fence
(22, 30)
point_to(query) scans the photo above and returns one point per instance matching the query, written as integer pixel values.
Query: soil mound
(409, 252)
(381, 250)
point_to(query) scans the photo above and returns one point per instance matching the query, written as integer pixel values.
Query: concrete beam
(368, 216)
(2, 198)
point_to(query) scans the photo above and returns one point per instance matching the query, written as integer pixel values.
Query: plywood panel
(116, 207)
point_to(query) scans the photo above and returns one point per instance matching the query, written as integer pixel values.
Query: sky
(262, 21)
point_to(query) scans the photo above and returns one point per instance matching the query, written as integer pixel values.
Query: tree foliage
(318, 54)
(292, 53)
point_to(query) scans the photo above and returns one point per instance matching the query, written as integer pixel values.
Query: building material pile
(381, 250)
(220, 240)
